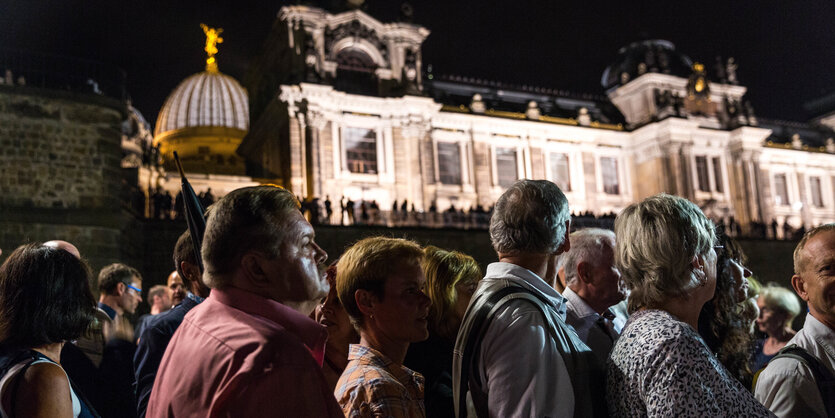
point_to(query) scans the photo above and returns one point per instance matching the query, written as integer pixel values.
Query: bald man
(62, 245)
(177, 287)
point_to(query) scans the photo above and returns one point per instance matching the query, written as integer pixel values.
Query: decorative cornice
(318, 19)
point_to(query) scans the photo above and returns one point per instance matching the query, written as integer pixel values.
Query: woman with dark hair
(724, 323)
(341, 334)
(451, 279)
(45, 301)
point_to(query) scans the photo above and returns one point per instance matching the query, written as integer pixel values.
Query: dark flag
(194, 213)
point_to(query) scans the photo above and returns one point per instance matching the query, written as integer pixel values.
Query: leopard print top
(661, 367)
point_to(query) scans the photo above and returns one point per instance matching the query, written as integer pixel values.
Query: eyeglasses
(138, 290)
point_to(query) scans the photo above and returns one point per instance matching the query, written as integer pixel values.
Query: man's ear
(191, 271)
(584, 272)
(120, 289)
(799, 285)
(365, 301)
(252, 268)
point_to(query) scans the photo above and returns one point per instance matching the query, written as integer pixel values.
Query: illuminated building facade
(341, 105)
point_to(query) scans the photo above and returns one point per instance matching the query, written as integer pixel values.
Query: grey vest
(586, 373)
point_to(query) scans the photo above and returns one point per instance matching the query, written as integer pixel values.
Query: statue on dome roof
(212, 39)
(730, 69)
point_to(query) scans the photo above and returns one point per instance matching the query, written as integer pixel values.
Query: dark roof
(821, 106)
(812, 135)
(458, 91)
(658, 55)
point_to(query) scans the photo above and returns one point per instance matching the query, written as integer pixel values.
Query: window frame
(603, 176)
(785, 190)
(458, 161)
(550, 170)
(346, 163)
(515, 152)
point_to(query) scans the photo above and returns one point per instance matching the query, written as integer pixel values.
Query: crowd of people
(347, 212)
(660, 317)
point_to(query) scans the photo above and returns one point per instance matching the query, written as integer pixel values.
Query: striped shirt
(373, 385)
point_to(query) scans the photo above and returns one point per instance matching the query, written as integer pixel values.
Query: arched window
(355, 72)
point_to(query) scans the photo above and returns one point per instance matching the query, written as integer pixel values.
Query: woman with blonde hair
(660, 366)
(451, 279)
(380, 283)
(778, 308)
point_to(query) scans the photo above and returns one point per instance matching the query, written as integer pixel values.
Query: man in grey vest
(514, 354)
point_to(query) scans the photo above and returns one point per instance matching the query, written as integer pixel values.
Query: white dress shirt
(787, 386)
(598, 332)
(519, 363)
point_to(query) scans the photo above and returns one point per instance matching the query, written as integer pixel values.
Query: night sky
(785, 50)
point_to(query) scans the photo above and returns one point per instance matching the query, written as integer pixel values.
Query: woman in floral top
(660, 366)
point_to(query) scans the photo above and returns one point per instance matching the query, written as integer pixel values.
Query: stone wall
(58, 151)
(60, 176)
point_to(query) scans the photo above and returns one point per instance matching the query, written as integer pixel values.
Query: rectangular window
(506, 166)
(360, 150)
(781, 191)
(717, 174)
(449, 163)
(701, 173)
(559, 171)
(815, 185)
(609, 172)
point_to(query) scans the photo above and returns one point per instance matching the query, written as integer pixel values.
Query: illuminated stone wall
(649, 178)
(58, 151)
(60, 176)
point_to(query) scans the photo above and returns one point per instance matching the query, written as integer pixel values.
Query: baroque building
(341, 105)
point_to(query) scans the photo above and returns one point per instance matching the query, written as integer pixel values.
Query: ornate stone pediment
(354, 30)
(354, 41)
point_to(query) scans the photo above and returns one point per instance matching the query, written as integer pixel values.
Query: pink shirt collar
(313, 335)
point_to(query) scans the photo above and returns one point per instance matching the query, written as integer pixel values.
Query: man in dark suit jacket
(158, 331)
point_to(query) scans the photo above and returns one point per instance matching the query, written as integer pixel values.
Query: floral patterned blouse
(660, 367)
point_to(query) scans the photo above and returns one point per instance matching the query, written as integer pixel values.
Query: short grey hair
(586, 245)
(657, 240)
(530, 217)
(246, 219)
(799, 256)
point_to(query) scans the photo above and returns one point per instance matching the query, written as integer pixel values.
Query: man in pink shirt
(250, 349)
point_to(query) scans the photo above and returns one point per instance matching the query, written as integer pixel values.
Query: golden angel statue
(212, 39)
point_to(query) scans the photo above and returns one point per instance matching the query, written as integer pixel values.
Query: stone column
(317, 123)
(417, 144)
